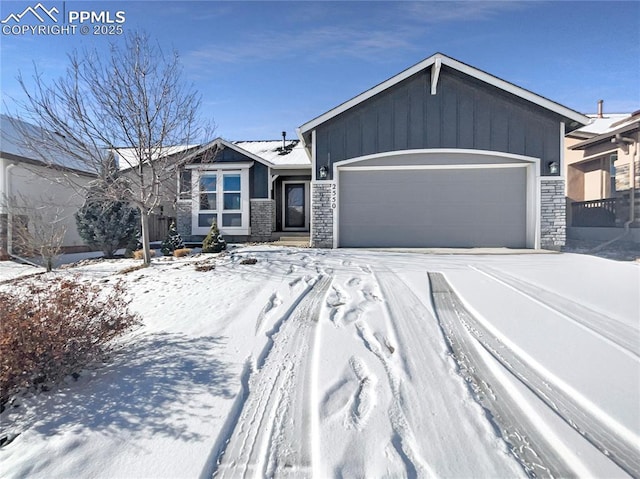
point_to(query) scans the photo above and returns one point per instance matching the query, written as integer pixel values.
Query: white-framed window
(222, 196)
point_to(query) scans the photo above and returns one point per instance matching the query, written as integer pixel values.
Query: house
(603, 176)
(28, 184)
(250, 189)
(440, 155)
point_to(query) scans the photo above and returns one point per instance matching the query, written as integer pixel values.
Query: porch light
(553, 167)
(323, 172)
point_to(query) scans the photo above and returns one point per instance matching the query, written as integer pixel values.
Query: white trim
(455, 64)
(307, 205)
(532, 187)
(313, 155)
(244, 202)
(533, 206)
(219, 166)
(562, 148)
(435, 75)
(437, 151)
(471, 166)
(228, 144)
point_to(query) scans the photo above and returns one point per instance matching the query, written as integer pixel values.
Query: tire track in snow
(530, 447)
(620, 334)
(620, 446)
(271, 436)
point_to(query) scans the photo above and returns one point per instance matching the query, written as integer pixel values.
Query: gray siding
(259, 181)
(465, 113)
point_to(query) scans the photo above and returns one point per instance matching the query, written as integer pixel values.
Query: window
(184, 185)
(208, 187)
(612, 175)
(223, 198)
(208, 200)
(232, 200)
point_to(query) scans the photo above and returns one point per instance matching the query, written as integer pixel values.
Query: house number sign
(334, 196)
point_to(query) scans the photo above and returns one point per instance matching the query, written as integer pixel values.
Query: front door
(294, 206)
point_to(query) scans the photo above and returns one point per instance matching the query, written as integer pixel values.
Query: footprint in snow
(353, 397)
(353, 282)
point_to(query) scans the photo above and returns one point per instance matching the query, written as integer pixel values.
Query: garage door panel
(433, 208)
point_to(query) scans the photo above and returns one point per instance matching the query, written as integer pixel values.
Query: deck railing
(598, 213)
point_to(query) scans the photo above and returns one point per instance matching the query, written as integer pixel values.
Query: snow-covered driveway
(354, 363)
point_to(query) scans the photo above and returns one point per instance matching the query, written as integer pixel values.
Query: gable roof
(436, 61)
(270, 153)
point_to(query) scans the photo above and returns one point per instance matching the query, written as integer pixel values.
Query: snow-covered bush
(107, 225)
(172, 242)
(55, 327)
(214, 242)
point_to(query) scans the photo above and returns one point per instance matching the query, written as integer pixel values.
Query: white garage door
(455, 208)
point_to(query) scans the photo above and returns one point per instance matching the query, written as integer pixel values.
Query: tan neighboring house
(603, 176)
(28, 184)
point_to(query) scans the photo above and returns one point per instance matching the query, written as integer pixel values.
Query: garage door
(477, 207)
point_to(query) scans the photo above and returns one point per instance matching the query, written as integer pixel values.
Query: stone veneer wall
(553, 214)
(183, 219)
(322, 201)
(262, 216)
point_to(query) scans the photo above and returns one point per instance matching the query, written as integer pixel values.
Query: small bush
(213, 242)
(139, 254)
(55, 328)
(179, 253)
(173, 241)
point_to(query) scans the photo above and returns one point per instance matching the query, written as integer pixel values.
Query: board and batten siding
(465, 113)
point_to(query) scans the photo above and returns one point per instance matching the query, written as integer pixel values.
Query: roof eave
(635, 125)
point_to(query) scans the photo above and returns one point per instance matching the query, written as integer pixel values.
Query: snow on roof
(128, 158)
(607, 123)
(11, 142)
(293, 153)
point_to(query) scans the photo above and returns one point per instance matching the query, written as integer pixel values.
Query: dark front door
(294, 214)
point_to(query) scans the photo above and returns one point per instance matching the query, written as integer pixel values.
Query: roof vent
(600, 104)
(284, 140)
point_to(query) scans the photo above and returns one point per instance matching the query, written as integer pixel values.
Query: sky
(267, 67)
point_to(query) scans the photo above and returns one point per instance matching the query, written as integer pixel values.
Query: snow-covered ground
(351, 363)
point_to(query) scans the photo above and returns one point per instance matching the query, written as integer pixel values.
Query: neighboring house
(600, 158)
(250, 189)
(27, 184)
(164, 213)
(603, 175)
(440, 155)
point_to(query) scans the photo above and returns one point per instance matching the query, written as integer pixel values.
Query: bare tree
(134, 103)
(37, 229)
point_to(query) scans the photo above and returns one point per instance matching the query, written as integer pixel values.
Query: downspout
(7, 189)
(632, 191)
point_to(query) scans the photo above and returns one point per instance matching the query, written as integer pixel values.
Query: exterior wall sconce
(323, 172)
(553, 167)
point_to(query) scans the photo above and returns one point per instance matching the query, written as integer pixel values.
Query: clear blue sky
(265, 67)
